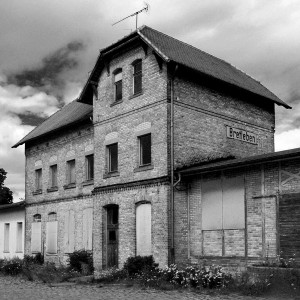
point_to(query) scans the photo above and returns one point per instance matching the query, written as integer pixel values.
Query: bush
(110, 275)
(136, 264)
(78, 259)
(37, 259)
(11, 266)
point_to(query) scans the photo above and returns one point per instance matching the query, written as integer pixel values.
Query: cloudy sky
(48, 47)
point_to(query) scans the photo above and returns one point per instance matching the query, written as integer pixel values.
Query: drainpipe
(172, 165)
(189, 222)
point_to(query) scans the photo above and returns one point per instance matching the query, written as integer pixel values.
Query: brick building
(100, 172)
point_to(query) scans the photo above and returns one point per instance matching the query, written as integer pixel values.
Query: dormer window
(137, 76)
(118, 84)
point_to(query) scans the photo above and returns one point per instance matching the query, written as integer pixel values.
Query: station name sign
(242, 135)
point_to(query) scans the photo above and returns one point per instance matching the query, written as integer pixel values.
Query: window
(19, 242)
(38, 180)
(6, 237)
(51, 233)
(71, 171)
(145, 149)
(53, 176)
(137, 77)
(89, 167)
(118, 85)
(112, 157)
(36, 234)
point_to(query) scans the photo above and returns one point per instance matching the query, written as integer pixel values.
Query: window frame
(39, 179)
(69, 172)
(19, 237)
(141, 151)
(89, 167)
(118, 84)
(53, 179)
(6, 238)
(109, 158)
(137, 74)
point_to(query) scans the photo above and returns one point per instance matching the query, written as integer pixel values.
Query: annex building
(168, 151)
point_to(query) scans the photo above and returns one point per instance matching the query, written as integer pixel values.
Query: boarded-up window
(87, 228)
(69, 231)
(211, 205)
(51, 233)
(233, 203)
(19, 241)
(36, 237)
(143, 229)
(223, 205)
(6, 237)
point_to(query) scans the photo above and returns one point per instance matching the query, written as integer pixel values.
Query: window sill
(19, 252)
(70, 186)
(111, 174)
(136, 95)
(116, 103)
(6, 252)
(37, 192)
(51, 254)
(143, 168)
(88, 182)
(52, 189)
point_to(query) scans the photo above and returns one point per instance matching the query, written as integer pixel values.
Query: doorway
(112, 235)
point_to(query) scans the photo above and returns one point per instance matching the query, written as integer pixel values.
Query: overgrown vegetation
(81, 261)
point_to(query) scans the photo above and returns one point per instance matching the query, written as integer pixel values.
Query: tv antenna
(146, 8)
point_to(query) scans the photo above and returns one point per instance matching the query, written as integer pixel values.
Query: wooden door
(112, 236)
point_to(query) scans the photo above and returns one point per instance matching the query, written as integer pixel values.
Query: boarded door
(143, 229)
(289, 225)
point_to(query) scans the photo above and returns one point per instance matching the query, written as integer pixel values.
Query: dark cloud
(48, 77)
(31, 119)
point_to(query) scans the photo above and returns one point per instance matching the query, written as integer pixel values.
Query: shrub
(136, 264)
(12, 266)
(79, 258)
(37, 259)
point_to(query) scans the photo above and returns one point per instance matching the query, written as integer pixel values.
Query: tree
(5, 193)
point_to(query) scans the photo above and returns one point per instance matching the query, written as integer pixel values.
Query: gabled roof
(72, 113)
(173, 50)
(241, 162)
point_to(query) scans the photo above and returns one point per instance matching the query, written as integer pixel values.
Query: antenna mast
(146, 8)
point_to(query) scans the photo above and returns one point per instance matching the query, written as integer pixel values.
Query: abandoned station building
(168, 151)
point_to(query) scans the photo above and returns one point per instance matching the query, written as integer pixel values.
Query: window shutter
(143, 230)
(69, 232)
(36, 237)
(51, 237)
(211, 205)
(6, 237)
(87, 228)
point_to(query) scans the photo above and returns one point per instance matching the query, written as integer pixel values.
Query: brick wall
(70, 144)
(201, 115)
(126, 199)
(259, 240)
(61, 208)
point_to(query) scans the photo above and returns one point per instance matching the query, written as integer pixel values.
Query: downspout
(189, 222)
(172, 166)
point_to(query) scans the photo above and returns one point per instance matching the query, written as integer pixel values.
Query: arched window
(37, 218)
(118, 84)
(137, 76)
(52, 217)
